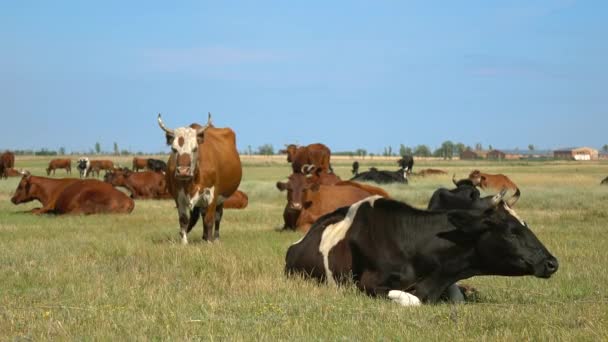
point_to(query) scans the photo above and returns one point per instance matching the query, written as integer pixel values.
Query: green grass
(127, 276)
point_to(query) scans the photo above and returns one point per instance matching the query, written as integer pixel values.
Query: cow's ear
(468, 222)
(170, 139)
(282, 186)
(200, 137)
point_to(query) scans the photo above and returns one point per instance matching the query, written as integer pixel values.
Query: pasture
(102, 277)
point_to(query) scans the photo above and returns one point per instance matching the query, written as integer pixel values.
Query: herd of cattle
(353, 230)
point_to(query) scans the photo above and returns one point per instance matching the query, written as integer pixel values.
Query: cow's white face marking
(336, 232)
(514, 214)
(404, 298)
(185, 142)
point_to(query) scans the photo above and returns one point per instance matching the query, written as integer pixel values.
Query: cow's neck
(44, 188)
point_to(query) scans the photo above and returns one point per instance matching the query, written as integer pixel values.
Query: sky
(350, 74)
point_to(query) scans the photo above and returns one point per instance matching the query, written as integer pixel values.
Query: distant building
(576, 153)
(469, 154)
(496, 155)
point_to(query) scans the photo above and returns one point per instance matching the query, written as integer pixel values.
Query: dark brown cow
(494, 182)
(7, 161)
(97, 165)
(71, 196)
(142, 185)
(429, 172)
(306, 156)
(139, 163)
(238, 200)
(12, 173)
(605, 181)
(204, 169)
(306, 201)
(59, 164)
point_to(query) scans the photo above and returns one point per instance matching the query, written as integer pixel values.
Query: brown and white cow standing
(204, 169)
(59, 164)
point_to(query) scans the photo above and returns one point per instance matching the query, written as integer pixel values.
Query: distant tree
(125, 152)
(97, 148)
(438, 152)
(531, 147)
(404, 150)
(605, 148)
(266, 150)
(361, 152)
(422, 151)
(249, 150)
(459, 148)
(448, 149)
(116, 150)
(62, 151)
(490, 147)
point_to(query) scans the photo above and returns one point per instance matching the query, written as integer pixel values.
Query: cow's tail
(511, 201)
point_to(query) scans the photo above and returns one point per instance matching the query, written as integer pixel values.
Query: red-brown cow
(495, 182)
(59, 164)
(12, 173)
(97, 165)
(306, 156)
(139, 163)
(429, 172)
(7, 161)
(142, 185)
(306, 201)
(71, 196)
(203, 170)
(238, 200)
(322, 178)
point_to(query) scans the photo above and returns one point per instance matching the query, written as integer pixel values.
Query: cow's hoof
(404, 298)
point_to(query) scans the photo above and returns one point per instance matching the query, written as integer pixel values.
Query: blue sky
(350, 74)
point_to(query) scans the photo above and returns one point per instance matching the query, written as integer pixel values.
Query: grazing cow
(392, 250)
(238, 200)
(7, 161)
(95, 166)
(142, 185)
(304, 156)
(59, 164)
(429, 172)
(307, 201)
(382, 176)
(407, 163)
(495, 182)
(355, 170)
(71, 196)
(139, 163)
(204, 169)
(83, 165)
(605, 181)
(157, 165)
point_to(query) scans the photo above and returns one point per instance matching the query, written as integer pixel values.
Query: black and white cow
(382, 176)
(407, 163)
(412, 256)
(156, 165)
(83, 165)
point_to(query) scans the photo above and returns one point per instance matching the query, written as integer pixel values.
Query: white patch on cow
(334, 233)
(514, 214)
(297, 242)
(404, 298)
(202, 199)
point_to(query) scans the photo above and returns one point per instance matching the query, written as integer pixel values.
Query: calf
(142, 185)
(71, 196)
(392, 250)
(59, 164)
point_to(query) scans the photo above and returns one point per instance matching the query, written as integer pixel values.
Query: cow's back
(219, 158)
(92, 197)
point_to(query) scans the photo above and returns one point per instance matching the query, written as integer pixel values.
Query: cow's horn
(511, 201)
(163, 127)
(209, 123)
(499, 196)
(454, 179)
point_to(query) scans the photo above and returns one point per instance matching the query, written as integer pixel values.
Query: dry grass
(107, 277)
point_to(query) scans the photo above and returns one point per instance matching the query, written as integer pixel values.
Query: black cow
(157, 165)
(382, 176)
(605, 181)
(393, 250)
(355, 169)
(465, 196)
(407, 163)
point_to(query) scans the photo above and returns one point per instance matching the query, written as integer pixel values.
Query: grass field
(127, 276)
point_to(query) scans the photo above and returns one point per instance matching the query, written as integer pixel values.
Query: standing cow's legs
(183, 222)
(208, 222)
(219, 212)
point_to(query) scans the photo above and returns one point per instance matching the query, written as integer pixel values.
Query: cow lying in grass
(71, 196)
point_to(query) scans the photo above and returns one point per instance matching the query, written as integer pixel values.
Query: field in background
(127, 275)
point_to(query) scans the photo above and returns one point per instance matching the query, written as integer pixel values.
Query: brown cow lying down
(238, 200)
(429, 172)
(494, 182)
(71, 196)
(307, 201)
(142, 185)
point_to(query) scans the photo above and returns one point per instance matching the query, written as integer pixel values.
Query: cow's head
(117, 177)
(184, 142)
(297, 186)
(291, 152)
(503, 242)
(477, 178)
(25, 191)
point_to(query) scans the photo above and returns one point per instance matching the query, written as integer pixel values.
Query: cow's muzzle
(295, 206)
(183, 172)
(548, 267)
